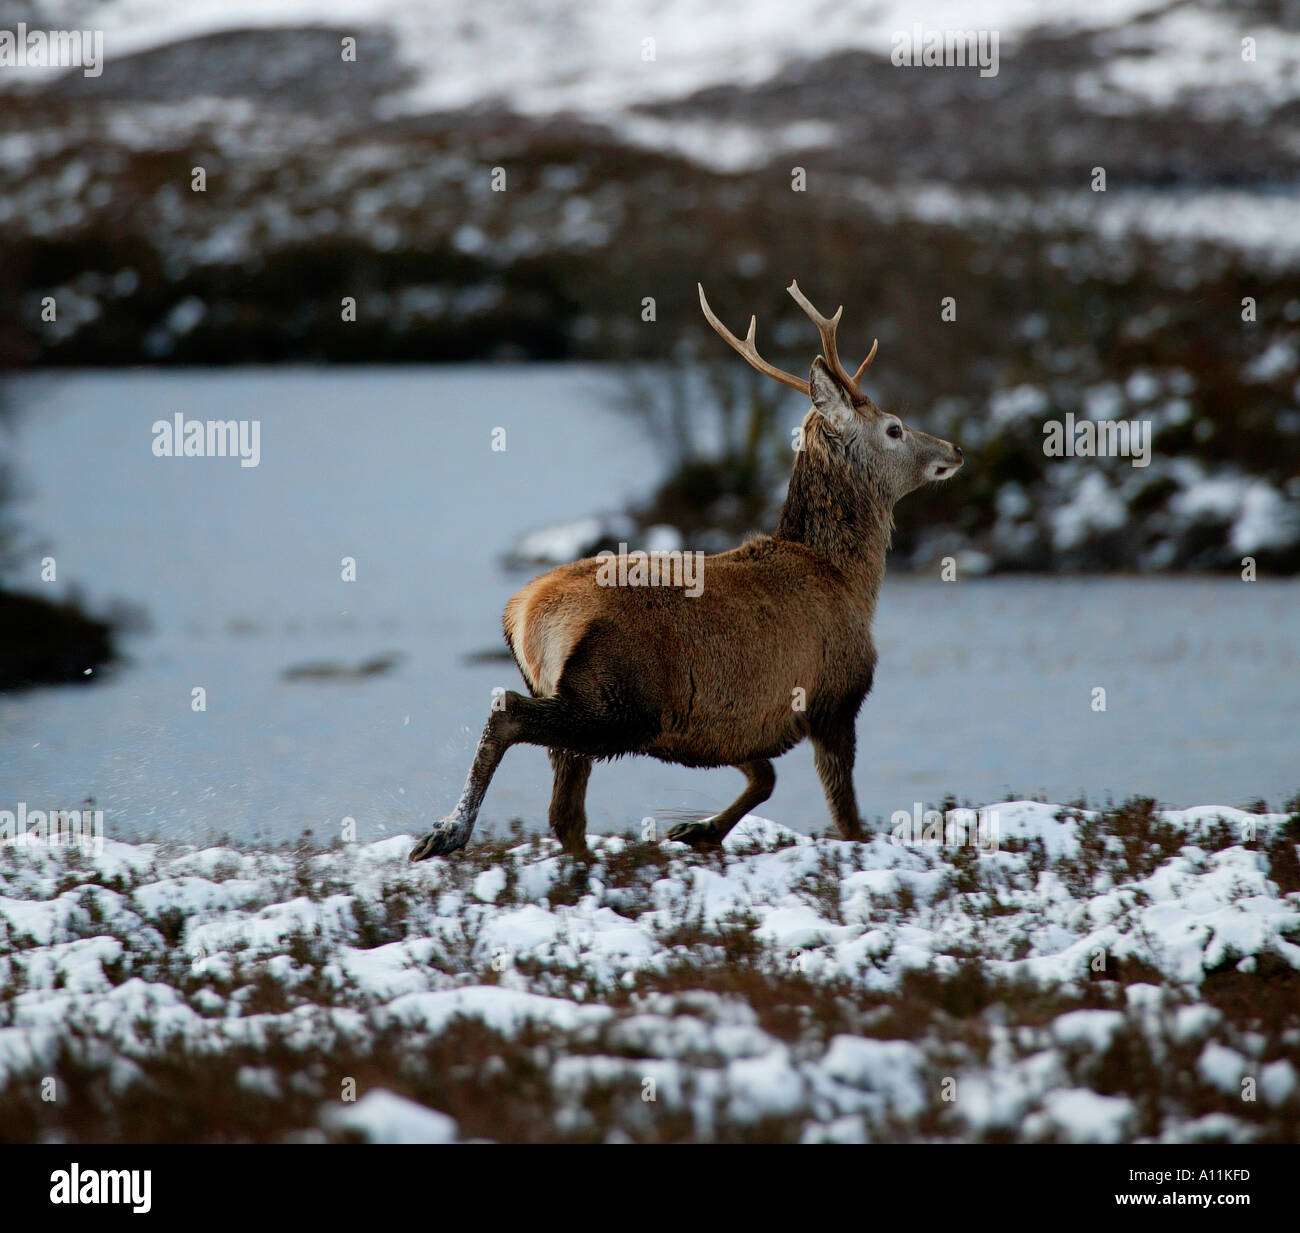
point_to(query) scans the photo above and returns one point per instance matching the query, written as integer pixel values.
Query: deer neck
(839, 512)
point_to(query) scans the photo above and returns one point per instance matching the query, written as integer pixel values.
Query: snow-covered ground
(1127, 974)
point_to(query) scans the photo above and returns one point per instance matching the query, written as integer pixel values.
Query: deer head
(892, 458)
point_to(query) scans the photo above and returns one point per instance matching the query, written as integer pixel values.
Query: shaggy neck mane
(836, 508)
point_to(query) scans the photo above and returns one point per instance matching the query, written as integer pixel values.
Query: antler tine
(749, 350)
(826, 327)
(871, 355)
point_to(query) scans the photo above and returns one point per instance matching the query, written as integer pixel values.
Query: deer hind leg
(557, 723)
(568, 813)
(710, 832)
(453, 831)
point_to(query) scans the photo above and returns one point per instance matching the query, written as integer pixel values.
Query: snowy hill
(649, 146)
(574, 56)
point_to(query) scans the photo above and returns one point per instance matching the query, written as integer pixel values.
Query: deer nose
(960, 455)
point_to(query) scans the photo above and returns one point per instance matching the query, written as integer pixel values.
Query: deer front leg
(833, 751)
(568, 813)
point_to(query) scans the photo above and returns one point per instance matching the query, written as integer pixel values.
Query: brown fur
(543, 625)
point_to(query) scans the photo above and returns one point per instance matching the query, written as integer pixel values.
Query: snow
(571, 541)
(503, 1010)
(570, 55)
(383, 1117)
(489, 884)
(1265, 519)
(607, 62)
(1262, 226)
(1224, 1068)
(1278, 359)
(1194, 1022)
(1018, 402)
(1277, 1082)
(1089, 1028)
(1093, 505)
(1195, 53)
(479, 947)
(1261, 517)
(1085, 1117)
(895, 1068)
(568, 541)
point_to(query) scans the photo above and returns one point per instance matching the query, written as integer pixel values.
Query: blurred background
(645, 146)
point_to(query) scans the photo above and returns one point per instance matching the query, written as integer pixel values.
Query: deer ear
(828, 396)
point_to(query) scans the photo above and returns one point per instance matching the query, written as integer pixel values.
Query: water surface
(984, 686)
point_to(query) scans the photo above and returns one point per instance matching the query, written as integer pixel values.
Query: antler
(749, 350)
(826, 327)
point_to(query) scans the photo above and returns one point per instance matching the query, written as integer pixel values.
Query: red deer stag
(775, 647)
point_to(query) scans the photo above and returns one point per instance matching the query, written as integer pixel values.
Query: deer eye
(895, 430)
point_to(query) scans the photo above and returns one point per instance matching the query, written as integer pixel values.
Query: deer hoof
(438, 842)
(695, 835)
